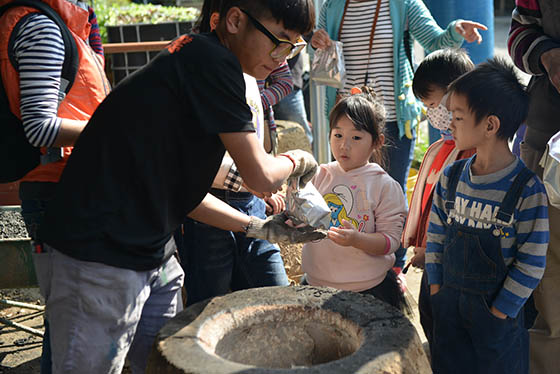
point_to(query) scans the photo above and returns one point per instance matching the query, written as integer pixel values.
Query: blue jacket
(409, 15)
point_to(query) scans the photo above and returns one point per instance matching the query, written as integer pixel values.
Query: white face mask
(440, 117)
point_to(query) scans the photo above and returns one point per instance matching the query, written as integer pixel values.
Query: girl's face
(351, 148)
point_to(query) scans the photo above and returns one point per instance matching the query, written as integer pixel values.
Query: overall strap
(452, 181)
(507, 208)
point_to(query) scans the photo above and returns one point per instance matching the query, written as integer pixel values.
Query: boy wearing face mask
(430, 83)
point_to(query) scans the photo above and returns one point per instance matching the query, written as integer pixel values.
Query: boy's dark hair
(493, 88)
(366, 113)
(438, 69)
(296, 15)
(203, 21)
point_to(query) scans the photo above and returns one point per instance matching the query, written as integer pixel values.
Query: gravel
(12, 225)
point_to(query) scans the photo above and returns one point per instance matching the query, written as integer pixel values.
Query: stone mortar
(300, 329)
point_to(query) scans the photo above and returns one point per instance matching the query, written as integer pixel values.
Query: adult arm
(261, 171)
(530, 48)
(320, 38)
(427, 32)
(217, 213)
(532, 237)
(39, 50)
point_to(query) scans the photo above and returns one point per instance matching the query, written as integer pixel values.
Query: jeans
(33, 206)
(399, 157)
(468, 338)
(292, 108)
(100, 314)
(399, 153)
(217, 261)
(545, 334)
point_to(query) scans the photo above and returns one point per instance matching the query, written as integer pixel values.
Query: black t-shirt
(148, 156)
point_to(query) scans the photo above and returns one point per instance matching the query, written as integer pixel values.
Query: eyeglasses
(284, 49)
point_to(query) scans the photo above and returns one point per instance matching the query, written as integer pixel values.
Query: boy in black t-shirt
(145, 160)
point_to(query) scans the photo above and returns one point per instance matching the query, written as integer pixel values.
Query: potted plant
(121, 22)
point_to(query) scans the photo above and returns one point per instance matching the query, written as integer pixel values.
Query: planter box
(123, 64)
(9, 194)
(16, 263)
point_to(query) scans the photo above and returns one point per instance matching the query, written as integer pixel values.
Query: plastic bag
(551, 175)
(306, 205)
(328, 67)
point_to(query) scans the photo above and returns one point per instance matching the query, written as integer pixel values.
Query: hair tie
(355, 90)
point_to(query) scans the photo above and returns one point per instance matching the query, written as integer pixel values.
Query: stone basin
(289, 329)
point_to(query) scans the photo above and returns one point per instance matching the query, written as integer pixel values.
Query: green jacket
(411, 15)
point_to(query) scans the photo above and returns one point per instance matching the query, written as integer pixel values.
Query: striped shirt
(355, 36)
(527, 40)
(524, 242)
(94, 35)
(274, 88)
(280, 84)
(39, 52)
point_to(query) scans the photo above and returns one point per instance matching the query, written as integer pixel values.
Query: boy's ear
(492, 124)
(233, 20)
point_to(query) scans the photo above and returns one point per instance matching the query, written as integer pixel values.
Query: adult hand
(469, 30)
(275, 204)
(551, 62)
(345, 235)
(320, 39)
(434, 288)
(419, 258)
(275, 230)
(497, 313)
(305, 165)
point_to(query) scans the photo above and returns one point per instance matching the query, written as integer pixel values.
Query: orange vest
(90, 85)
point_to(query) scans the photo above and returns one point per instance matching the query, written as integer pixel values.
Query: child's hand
(468, 30)
(344, 235)
(419, 257)
(497, 313)
(275, 204)
(260, 195)
(320, 39)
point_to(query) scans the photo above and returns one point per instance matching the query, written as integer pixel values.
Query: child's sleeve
(281, 84)
(390, 214)
(436, 231)
(532, 237)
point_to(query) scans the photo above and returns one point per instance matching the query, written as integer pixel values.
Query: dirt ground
(20, 351)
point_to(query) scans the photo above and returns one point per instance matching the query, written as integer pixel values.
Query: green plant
(123, 12)
(422, 144)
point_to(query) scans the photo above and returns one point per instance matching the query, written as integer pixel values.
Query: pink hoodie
(374, 202)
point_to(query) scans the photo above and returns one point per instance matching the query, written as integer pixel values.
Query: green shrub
(123, 12)
(422, 144)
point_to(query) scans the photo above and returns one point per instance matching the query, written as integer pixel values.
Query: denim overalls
(468, 338)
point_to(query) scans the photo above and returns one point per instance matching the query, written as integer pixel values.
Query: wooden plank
(134, 47)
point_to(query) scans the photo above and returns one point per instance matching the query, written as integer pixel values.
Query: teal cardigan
(405, 14)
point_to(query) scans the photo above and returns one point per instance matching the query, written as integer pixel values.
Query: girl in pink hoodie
(367, 206)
